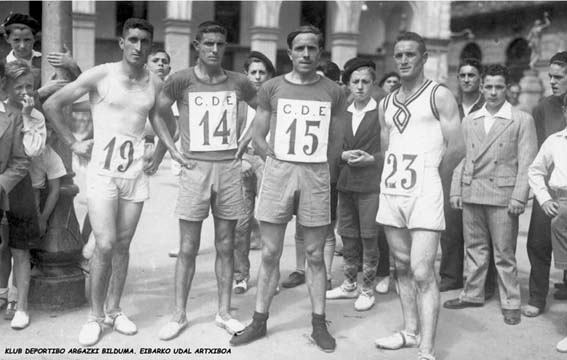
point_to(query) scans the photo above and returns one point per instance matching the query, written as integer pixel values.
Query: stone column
(431, 20)
(84, 17)
(178, 33)
(57, 281)
(264, 32)
(343, 42)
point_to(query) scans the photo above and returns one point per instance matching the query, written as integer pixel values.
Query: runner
(207, 98)
(300, 110)
(121, 94)
(411, 199)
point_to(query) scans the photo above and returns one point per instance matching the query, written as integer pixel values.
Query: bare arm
(53, 188)
(261, 127)
(451, 128)
(384, 130)
(66, 96)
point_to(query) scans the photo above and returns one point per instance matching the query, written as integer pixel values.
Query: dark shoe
(512, 317)
(295, 279)
(446, 286)
(320, 334)
(560, 294)
(457, 304)
(256, 330)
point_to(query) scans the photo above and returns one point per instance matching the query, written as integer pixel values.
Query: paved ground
(466, 334)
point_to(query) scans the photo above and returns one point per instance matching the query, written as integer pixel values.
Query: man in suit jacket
(491, 186)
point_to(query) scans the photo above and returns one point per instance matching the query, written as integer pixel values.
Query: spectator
(491, 187)
(549, 119)
(389, 82)
(548, 179)
(259, 69)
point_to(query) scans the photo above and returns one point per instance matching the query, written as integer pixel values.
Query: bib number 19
(125, 151)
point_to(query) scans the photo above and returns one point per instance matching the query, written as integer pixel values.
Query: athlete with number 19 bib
(121, 95)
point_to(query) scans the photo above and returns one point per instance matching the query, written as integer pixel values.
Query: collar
(11, 57)
(371, 105)
(505, 112)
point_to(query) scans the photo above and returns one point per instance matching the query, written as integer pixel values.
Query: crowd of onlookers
(483, 197)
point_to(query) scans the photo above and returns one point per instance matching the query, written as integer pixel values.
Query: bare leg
(400, 245)
(190, 240)
(269, 274)
(22, 273)
(224, 263)
(127, 221)
(316, 272)
(423, 251)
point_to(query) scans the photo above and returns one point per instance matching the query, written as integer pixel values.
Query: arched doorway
(471, 51)
(518, 58)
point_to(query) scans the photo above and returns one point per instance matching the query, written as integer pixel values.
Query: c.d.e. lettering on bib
(212, 121)
(302, 130)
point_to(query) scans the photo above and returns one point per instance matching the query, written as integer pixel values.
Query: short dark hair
(256, 56)
(210, 27)
(135, 23)
(411, 36)
(471, 62)
(156, 50)
(559, 58)
(306, 29)
(497, 70)
(15, 69)
(387, 76)
(16, 20)
(331, 70)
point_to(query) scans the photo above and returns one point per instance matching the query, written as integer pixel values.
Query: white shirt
(11, 57)
(358, 115)
(505, 112)
(551, 155)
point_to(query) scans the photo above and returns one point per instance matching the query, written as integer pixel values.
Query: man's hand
(186, 163)
(247, 170)
(456, 202)
(360, 158)
(551, 208)
(61, 59)
(515, 207)
(27, 105)
(83, 148)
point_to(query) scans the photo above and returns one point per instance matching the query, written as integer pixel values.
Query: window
(228, 14)
(129, 9)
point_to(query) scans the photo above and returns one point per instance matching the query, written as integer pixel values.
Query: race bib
(302, 130)
(119, 156)
(212, 121)
(402, 174)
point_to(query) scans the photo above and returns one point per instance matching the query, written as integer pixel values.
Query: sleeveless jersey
(416, 141)
(119, 118)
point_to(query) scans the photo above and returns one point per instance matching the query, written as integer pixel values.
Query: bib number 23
(402, 174)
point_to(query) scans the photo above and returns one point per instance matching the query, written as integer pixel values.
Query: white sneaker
(562, 346)
(172, 329)
(365, 301)
(232, 326)
(90, 333)
(383, 285)
(345, 291)
(121, 323)
(20, 321)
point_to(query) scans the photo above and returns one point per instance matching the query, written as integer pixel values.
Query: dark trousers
(539, 253)
(452, 248)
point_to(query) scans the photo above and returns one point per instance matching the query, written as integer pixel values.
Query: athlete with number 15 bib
(300, 110)
(421, 137)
